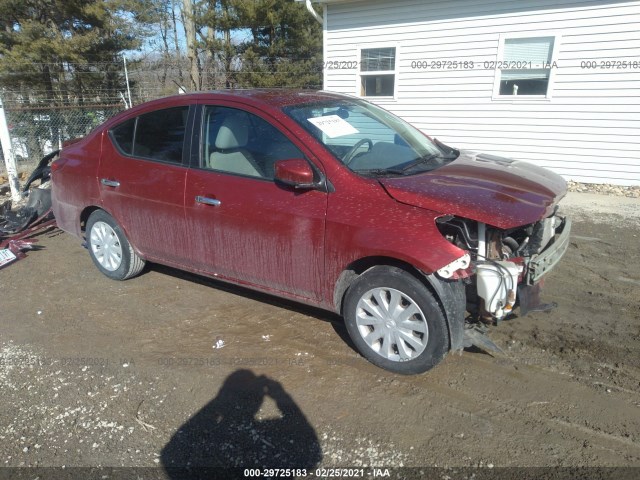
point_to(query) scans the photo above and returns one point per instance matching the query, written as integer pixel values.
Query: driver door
(243, 225)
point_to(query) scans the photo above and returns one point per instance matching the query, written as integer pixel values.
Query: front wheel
(109, 248)
(395, 321)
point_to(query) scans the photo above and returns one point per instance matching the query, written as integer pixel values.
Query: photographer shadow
(225, 436)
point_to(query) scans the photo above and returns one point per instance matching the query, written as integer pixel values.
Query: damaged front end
(509, 264)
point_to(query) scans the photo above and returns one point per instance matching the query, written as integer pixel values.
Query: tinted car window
(241, 143)
(122, 136)
(160, 135)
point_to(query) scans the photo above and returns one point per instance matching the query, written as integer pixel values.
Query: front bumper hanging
(544, 262)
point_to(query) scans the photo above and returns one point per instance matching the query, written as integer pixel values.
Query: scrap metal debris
(19, 223)
(15, 250)
(476, 335)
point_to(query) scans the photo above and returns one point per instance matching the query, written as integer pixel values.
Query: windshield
(368, 139)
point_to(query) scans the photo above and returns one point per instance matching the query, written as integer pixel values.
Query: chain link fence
(40, 119)
(37, 129)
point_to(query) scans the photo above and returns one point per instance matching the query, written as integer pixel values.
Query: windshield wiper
(418, 161)
(380, 171)
(403, 168)
(400, 170)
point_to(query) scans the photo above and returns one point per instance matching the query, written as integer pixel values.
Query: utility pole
(9, 159)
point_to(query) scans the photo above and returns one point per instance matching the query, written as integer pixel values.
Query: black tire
(122, 262)
(389, 284)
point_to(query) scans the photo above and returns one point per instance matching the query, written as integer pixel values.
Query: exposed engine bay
(506, 266)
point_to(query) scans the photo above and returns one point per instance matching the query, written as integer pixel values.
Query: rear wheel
(109, 248)
(395, 321)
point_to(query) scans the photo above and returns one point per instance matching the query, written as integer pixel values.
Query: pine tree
(55, 46)
(58, 53)
(286, 45)
(282, 45)
(217, 23)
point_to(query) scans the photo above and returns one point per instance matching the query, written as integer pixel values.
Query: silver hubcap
(392, 324)
(105, 246)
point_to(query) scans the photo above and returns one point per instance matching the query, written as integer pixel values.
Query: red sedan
(321, 198)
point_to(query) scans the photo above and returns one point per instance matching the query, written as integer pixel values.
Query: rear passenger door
(142, 175)
(242, 224)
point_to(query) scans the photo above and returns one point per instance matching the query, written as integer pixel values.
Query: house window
(525, 68)
(377, 72)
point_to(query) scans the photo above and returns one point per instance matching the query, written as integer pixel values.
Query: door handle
(208, 201)
(109, 183)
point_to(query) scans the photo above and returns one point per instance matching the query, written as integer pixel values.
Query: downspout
(313, 12)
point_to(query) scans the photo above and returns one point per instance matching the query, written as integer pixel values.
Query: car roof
(265, 99)
(273, 97)
(279, 97)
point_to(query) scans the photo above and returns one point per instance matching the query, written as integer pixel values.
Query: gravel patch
(604, 189)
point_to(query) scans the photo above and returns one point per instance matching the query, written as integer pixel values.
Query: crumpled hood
(498, 191)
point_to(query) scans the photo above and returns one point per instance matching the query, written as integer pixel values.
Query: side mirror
(294, 172)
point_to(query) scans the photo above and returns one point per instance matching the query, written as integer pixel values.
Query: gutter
(313, 12)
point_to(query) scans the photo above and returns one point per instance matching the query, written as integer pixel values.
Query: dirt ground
(170, 368)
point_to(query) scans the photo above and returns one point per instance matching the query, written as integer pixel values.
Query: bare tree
(174, 21)
(192, 47)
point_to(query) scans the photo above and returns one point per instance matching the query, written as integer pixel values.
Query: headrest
(234, 131)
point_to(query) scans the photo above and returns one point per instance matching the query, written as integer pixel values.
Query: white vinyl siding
(586, 130)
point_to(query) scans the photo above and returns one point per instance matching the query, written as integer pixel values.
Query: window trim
(395, 72)
(500, 55)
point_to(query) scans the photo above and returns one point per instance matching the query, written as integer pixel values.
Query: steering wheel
(351, 154)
